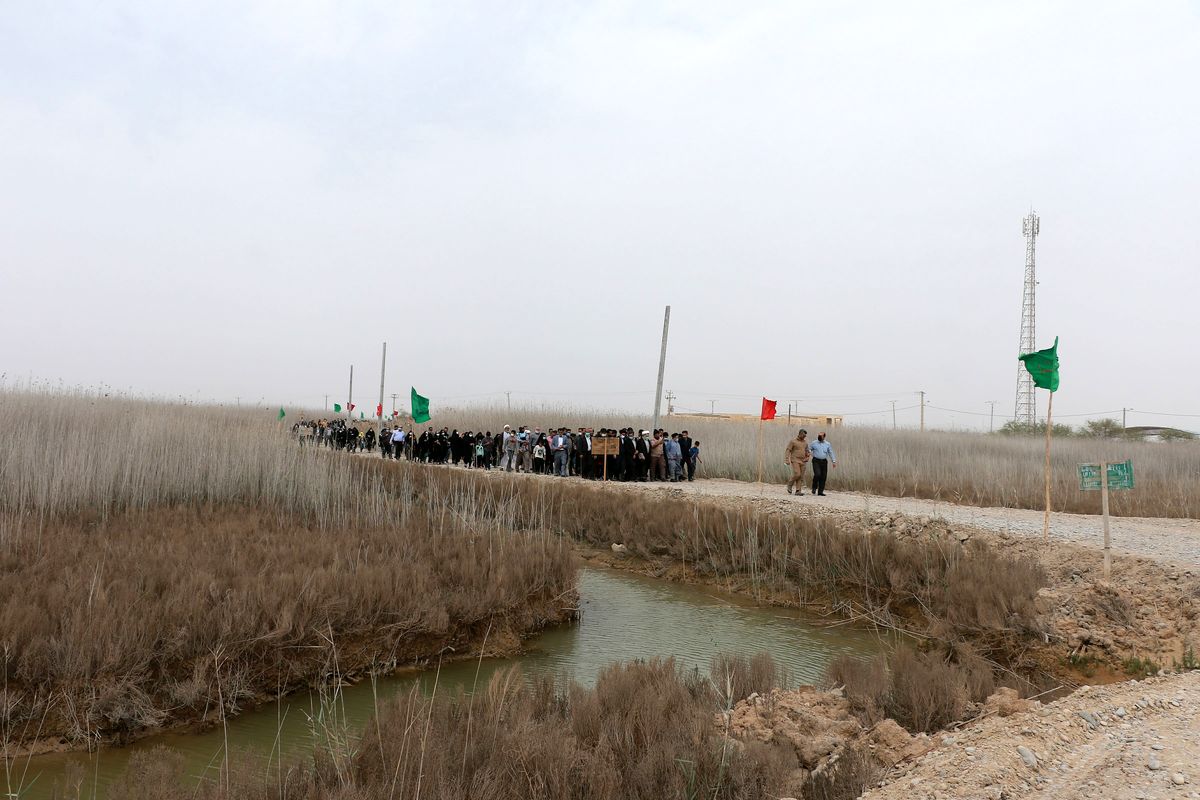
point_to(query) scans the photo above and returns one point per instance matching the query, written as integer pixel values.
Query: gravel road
(1137, 741)
(1174, 541)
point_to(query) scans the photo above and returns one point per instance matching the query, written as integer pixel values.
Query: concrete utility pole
(1123, 410)
(394, 396)
(893, 415)
(712, 408)
(662, 365)
(670, 402)
(326, 402)
(508, 398)
(382, 370)
(350, 394)
(922, 410)
(992, 416)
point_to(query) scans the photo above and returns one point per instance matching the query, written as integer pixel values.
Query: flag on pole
(361, 415)
(379, 410)
(1043, 367)
(351, 406)
(768, 409)
(281, 413)
(420, 407)
(337, 408)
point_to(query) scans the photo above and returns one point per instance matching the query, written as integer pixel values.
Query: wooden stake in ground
(1104, 511)
(760, 450)
(1049, 428)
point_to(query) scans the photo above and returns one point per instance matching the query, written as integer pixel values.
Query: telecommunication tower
(1026, 408)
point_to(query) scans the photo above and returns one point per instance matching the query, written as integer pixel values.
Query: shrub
(922, 691)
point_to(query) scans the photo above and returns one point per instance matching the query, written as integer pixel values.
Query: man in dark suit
(628, 452)
(685, 444)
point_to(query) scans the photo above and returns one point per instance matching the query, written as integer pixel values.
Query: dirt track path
(1175, 541)
(1164, 540)
(1128, 740)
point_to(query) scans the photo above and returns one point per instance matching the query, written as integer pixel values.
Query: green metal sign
(1120, 476)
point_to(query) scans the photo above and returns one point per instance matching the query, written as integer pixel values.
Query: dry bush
(923, 691)
(647, 730)
(865, 685)
(736, 676)
(855, 771)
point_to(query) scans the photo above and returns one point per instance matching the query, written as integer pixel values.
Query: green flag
(1043, 366)
(281, 413)
(337, 408)
(420, 407)
(361, 415)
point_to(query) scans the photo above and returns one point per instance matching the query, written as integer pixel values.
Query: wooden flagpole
(1049, 428)
(760, 449)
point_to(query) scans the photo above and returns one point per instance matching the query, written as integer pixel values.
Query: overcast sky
(244, 200)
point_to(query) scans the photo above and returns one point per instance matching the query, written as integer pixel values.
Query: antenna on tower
(1026, 408)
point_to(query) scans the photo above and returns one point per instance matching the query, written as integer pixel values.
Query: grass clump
(1137, 667)
(922, 691)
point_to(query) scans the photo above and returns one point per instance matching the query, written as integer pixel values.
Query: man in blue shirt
(822, 457)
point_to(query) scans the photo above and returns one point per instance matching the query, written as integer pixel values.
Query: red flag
(379, 410)
(768, 409)
(352, 406)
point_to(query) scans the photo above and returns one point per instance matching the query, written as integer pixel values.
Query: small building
(809, 419)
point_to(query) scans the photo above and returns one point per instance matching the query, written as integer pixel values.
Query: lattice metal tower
(1026, 409)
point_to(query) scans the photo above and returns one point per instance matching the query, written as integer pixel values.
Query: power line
(1159, 413)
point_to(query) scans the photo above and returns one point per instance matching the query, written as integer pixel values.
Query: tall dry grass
(966, 468)
(161, 563)
(196, 538)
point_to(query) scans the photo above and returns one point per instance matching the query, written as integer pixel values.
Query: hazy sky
(242, 200)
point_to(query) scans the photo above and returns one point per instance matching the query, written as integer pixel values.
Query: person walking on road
(797, 457)
(823, 458)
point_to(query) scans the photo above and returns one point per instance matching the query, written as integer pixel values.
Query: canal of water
(625, 616)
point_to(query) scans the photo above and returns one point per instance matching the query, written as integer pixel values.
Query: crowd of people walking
(628, 455)
(621, 455)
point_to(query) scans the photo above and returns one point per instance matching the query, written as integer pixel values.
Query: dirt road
(1175, 541)
(1131, 740)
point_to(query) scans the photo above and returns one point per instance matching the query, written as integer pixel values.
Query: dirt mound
(818, 728)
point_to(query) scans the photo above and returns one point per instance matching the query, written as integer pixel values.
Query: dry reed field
(162, 564)
(965, 468)
(199, 560)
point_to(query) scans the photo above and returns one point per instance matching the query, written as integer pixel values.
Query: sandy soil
(1136, 740)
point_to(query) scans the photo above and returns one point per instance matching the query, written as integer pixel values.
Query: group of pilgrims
(636, 455)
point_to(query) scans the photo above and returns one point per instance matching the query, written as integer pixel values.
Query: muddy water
(624, 617)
